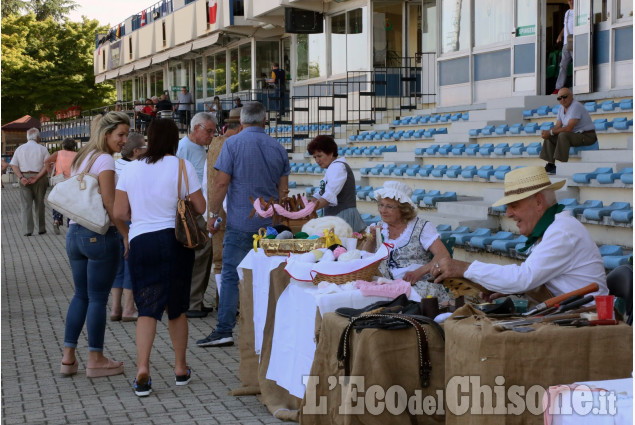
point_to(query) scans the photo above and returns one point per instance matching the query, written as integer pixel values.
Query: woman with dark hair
(160, 267)
(62, 160)
(94, 257)
(337, 189)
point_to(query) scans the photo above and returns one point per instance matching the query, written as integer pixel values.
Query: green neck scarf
(541, 227)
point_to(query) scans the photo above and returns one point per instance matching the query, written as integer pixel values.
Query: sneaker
(142, 387)
(215, 340)
(195, 314)
(550, 168)
(183, 379)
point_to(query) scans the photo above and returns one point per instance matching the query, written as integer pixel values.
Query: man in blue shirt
(251, 164)
(192, 148)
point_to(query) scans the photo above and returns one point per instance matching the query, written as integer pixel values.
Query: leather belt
(30, 172)
(588, 131)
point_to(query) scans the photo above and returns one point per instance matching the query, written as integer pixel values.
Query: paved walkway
(36, 291)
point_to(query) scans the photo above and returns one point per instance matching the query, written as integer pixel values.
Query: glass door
(582, 45)
(527, 70)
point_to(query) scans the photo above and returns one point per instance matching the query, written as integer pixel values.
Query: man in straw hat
(562, 254)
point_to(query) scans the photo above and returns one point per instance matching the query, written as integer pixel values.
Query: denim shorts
(161, 274)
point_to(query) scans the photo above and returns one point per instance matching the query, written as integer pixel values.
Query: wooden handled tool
(556, 300)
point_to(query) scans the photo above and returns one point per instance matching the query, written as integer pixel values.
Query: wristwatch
(551, 132)
(213, 215)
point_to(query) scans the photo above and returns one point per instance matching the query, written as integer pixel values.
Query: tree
(48, 65)
(43, 9)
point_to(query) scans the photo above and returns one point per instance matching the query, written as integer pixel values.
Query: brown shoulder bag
(185, 227)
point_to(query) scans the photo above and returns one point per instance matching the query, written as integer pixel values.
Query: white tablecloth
(623, 403)
(293, 344)
(261, 267)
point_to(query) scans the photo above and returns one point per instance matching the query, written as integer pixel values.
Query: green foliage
(48, 65)
(43, 9)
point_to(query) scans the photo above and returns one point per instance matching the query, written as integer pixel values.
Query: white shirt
(334, 179)
(565, 260)
(119, 165)
(30, 157)
(152, 193)
(568, 25)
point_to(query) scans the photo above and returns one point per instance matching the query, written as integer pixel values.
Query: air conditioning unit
(300, 21)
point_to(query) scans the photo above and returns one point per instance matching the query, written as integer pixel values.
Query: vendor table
(495, 361)
(277, 330)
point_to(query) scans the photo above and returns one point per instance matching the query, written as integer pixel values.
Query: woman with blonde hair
(94, 257)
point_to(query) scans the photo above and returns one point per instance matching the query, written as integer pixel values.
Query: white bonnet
(398, 191)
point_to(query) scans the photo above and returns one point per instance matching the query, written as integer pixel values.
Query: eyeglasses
(388, 207)
(564, 96)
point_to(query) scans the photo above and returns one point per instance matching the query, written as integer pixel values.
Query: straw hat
(523, 182)
(234, 115)
(398, 191)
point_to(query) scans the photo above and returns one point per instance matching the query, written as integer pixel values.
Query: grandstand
(450, 123)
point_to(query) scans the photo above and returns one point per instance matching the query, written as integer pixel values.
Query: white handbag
(55, 178)
(79, 199)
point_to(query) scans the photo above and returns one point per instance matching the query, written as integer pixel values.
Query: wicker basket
(284, 247)
(365, 273)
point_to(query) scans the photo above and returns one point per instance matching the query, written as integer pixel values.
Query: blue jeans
(122, 278)
(236, 246)
(94, 259)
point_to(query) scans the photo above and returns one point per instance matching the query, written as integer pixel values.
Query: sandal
(113, 368)
(115, 317)
(69, 369)
(132, 318)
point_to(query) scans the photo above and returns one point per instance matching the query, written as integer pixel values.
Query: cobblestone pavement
(36, 290)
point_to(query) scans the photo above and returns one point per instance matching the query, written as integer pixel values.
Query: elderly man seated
(562, 254)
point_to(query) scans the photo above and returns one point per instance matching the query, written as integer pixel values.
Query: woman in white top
(337, 189)
(122, 287)
(94, 257)
(160, 267)
(414, 241)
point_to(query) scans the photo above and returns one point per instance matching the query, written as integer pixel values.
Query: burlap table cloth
(251, 372)
(382, 357)
(550, 355)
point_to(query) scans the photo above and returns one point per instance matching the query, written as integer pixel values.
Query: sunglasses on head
(564, 96)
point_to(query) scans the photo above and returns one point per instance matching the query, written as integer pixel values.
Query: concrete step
(567, 169)
(509, 115)
(523, 102)
(607, 155)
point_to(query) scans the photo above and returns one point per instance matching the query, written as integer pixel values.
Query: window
(348, 42)
(233, 67)
(311, 53)
(267, 52)
(624, 9)
(126, 91)
(220, 74)
(455, 26)
(163, 32)
(156, 83)
(491, 21)
(141, 87)
(244, 53)
(388, 34)
(130, 47)
(198, 78)
(209, 75)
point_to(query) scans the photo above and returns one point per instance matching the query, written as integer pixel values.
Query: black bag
(185, 227)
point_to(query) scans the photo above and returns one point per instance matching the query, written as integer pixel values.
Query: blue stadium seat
(442, 130)
(388, 170)
(430, 132)
(432, 149)
(465, 116)
(608, 105)
(573, 150)
(502, 129)
(400, 169)
(433, 199)
(531, 128)
(598, 213)
(426, 170)
(488, 130)
(568, 201)
(420, 151)
(439, 170)
(445, 117)
(443, 227)
(445, 149)
(543, 110)
(390, 148)
(435, 118)
(459, 230)
(547, 126)
(502, 209)
(627, 178)
(517, 148)
(528, 113)
(612, 262)
(455, 117)
(371, 195)
(534, 148)
(602, 124)
(591, 106)
(486, 149)
(610, 250)
(516, 128)
(292, 185)
(462, 238)
(504, 245)
(412, 170)
(626, 105)
(586, 178)
(486, 171)
(483, 241)
(555, 109)
(472, 149)
(458, 149)
(578, 208)
(475, 132)
(442, 172)
(455, 171)
(363, 192)
(417, 195)
(622, 123)
(501, 170)
(501, 149)
(469, 172)
(622, 216)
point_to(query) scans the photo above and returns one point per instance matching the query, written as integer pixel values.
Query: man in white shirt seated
(562, 254)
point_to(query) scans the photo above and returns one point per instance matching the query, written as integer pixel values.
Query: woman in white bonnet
(416, 243)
